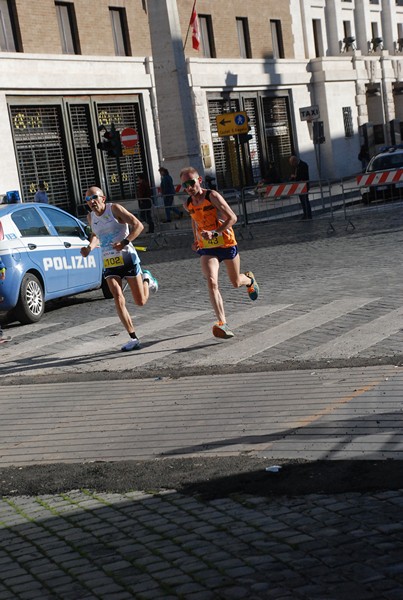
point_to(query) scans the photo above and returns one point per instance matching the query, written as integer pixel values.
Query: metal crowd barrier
(279, 202)
(334, 202)
(183, 225)
(372, 194)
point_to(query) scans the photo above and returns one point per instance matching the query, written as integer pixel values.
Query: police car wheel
(31, 304)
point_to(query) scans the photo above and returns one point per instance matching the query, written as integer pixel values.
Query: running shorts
(220, 253)
(131, 267)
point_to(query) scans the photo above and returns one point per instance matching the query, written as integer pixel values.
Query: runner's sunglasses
(93, 197)
(189, 183)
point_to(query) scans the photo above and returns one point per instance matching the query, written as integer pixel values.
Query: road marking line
(238, 351)
(167, 347)
(196, 336)
(358, 339)
(305, 422)
(19, 332)
(31, 347)
(159, 324)
(329, 409)
(123, 361)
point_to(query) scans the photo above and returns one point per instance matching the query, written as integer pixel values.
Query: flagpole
(187, 33)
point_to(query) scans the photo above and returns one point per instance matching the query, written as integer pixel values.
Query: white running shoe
(152, 282)
(132, 344)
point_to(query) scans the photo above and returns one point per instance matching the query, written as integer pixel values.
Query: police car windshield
(387, 161)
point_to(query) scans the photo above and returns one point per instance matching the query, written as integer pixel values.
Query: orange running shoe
(220, 330)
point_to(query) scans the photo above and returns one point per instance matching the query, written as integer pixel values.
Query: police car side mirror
(88, 232)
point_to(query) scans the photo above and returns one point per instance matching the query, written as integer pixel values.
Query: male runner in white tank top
(114, 228)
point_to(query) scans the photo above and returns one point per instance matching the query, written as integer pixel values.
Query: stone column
(389, 26)
(177, 119)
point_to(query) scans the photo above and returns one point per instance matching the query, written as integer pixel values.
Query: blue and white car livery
(40, 249)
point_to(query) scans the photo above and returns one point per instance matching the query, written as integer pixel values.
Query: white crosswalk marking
(19, 332)
(32, 346)
(276, 335)
(360, 338)
(202, 334)
(159, 324)
(100, 340)
(167, 347)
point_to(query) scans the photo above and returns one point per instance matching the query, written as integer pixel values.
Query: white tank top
(108, 230)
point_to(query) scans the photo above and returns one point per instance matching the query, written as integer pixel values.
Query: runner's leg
(139, 288)
(237, 278)
(115, 286)
(210, 267)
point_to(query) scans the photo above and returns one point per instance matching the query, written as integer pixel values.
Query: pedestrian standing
(215, 242)
(115, 228)
(41, 195)
(168, 193)
(364, 157)
(300, 172)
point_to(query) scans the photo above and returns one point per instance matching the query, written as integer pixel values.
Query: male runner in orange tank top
(214, 241)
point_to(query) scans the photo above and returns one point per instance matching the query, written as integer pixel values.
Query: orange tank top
(205, 215)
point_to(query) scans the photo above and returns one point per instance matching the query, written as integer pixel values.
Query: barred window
(348, 121)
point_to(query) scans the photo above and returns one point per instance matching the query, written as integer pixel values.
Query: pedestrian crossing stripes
(61, 336)
(274, 336)
(360, 338)
(184, 339)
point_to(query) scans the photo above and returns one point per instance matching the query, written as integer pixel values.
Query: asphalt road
(331, 301)
(326, 299)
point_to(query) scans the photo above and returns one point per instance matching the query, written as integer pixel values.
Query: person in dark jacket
(145, 201)
(168, 193)
(364, 157)
(300, 172)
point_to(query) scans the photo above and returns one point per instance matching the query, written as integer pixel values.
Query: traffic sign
(129, 137)
(232, 123)
(128, 151)
(309, 113)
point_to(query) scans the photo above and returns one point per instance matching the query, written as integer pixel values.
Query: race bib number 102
(113, 259)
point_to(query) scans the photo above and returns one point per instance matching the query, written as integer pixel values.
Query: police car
(389, 159)
(40, 250)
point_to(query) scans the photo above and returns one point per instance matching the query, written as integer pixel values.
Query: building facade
(72, 70)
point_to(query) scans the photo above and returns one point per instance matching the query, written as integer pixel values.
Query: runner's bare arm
(194, 244)
(85, 250)
(225, 212)
(122, 215)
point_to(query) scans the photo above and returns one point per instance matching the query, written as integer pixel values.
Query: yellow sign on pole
(128, 151)
(232, 123)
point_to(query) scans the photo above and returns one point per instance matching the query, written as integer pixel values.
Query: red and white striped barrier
(380, 177)
(286, 189)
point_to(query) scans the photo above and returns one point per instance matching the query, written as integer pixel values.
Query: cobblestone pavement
(136, 545)
(330, 292)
